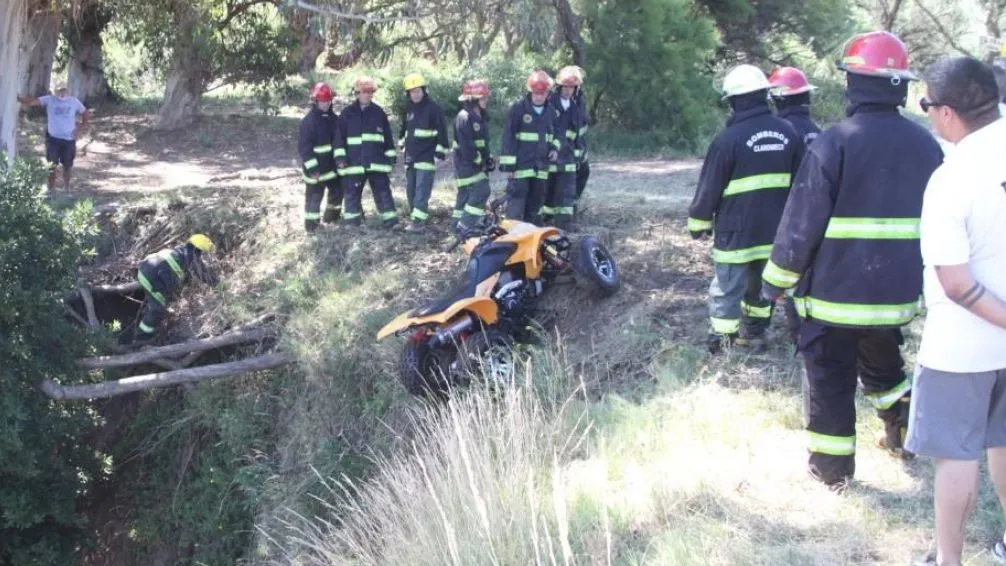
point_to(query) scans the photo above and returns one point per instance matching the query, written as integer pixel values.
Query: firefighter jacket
(581, 134)
(567, 131)
(799, 118)
(471, 147)
(744, 184)
(315, 146)
(425, 134)
(848, 243)
(363, 139)
(528, 137)
(162, 274)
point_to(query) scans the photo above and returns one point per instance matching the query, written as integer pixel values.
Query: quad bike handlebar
(486, 227)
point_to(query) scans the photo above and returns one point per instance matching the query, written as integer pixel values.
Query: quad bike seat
(464, 291)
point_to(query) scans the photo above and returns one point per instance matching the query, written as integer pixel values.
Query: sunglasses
(926, 104)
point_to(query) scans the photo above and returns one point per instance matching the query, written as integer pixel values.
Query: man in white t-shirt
(959, 395)
(61, 130)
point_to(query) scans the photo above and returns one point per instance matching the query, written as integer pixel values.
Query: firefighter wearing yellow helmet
(424, 140)
(162, 276)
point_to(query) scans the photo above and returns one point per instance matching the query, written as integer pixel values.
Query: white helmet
(743, 79)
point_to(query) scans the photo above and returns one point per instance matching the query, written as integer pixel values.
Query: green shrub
(46, 467)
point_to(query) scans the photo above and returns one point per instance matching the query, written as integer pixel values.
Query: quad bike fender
(483, 308)
(528, 248)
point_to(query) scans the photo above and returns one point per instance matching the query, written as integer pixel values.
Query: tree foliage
(647, 64)
(45, 467)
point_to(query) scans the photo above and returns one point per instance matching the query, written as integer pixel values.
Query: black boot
(332, 215)
(836, 472)
(310, 226)
(896, 428)
(716, 342)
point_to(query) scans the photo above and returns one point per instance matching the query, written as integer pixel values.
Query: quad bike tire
(595, 264)
(423, 370)
(486, 355)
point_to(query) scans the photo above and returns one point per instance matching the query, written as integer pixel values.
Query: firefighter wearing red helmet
(315, 146)
(472, 158)
(791, 95)
(560, 195)
(741, 193)
(847, 249)
(529, 146)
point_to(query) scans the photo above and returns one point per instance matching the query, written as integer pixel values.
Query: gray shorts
(957, 416)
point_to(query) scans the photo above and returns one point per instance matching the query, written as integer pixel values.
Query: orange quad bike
(471, 331)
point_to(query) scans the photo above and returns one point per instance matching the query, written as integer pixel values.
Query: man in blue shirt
(61, 131)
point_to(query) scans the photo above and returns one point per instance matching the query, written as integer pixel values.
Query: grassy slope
(630, 444)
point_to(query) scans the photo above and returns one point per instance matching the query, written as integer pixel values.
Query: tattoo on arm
(971, 296)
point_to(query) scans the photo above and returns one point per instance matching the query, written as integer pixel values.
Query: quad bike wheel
(593, 262)
(423, 370)
(487, 354)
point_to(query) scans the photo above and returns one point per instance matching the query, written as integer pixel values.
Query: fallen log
(239, 336)
(120, 289)
(164, 379)
(92, 319)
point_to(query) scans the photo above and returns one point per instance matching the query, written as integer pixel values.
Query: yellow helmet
(414, 80)
(202, 242)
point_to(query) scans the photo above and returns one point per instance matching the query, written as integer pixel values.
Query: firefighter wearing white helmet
(740, 198)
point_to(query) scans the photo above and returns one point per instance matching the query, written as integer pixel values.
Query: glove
(553, 156)
(341, 163)
(490, 164)
(770, 292)
(701, 234)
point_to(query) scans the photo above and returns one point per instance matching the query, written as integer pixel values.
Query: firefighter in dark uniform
(472, 158)
(848, 244)
(424, 138)
(162, 276)
(529, 145)
(561, 189)
(583, 162)
(317, 134)
(742, 191)
(365, 153)
(791, 96)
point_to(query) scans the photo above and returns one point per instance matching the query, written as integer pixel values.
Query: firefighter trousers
(155, 303)
(418, 188)
(833, 358)
(471, 202)
(560, 196)
(735, 297)
(582, 174)
(314, 194)
(525, 198)
(380, 185)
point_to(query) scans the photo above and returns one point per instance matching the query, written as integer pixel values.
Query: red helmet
(787, 81)
(539, 82)
(878, 54)
(322, 92)
(473, 90)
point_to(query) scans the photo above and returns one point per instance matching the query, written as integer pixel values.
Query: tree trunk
(87, 64)
(41, 37)
(189, 74)
(311, 41)
(150, 381)
(12, 24)
(572, 26)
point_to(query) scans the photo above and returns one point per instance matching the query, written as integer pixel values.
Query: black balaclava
(749, 101)
(864, 91)
(783, 102)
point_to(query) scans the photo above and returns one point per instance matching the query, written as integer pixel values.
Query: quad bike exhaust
(449, 333)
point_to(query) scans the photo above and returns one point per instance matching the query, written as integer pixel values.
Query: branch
(92, 319)
(235, 10)
(120, 289)
(238, 336)
(943, 31)
(339, 15)
(164, 379)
